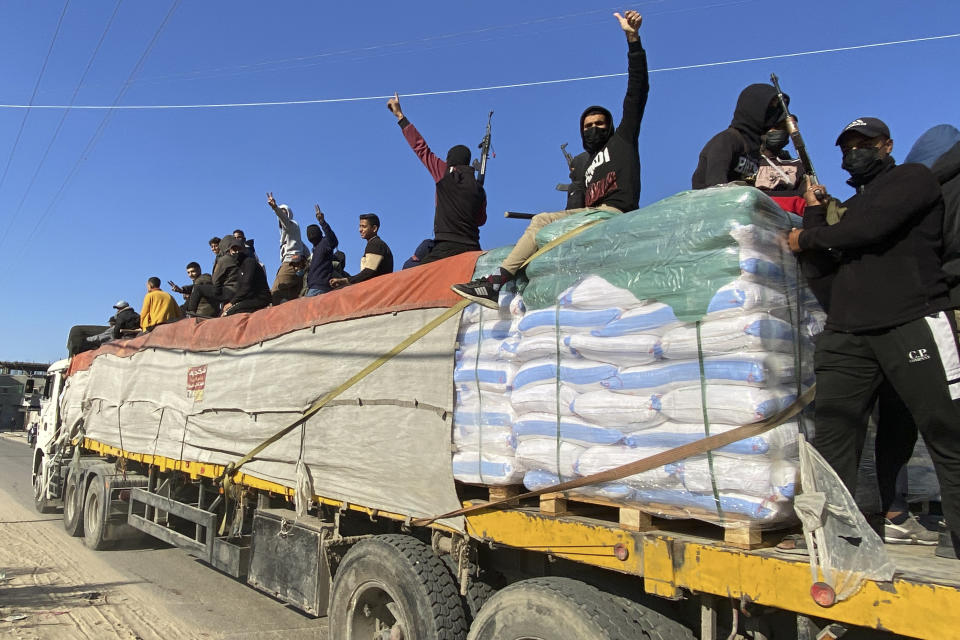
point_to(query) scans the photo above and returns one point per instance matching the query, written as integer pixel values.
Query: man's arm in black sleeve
(329, 235)
(891, 207)
(638, 88)
(715, 160)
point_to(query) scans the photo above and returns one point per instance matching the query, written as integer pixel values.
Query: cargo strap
(232, 468)
(699, 447)
(227, 477)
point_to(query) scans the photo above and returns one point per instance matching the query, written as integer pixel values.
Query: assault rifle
(798, 144)
(569, 159)
(481, 164)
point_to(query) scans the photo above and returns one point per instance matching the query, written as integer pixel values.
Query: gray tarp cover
(385, 443)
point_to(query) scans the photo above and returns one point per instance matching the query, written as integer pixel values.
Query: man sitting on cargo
(158, 306)
(886, 316)
(611, 180)
(247, 244)
(461, 202)
(127, 321)
(226, 273)
(252, 291)
(215, 248)
(377, 258)
(205, 308)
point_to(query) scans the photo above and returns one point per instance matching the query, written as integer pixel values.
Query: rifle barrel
(519, 215)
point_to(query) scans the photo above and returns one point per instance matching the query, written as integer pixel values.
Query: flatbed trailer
(675, 569)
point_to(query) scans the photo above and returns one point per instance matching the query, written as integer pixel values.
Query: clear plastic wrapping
(647, 331)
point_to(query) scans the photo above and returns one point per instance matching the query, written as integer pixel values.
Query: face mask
(862, 163)
(775, 140)
(594, 138)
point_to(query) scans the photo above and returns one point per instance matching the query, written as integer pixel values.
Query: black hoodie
(889, 244)
(252, 281)
(734, 153)
(612, 175)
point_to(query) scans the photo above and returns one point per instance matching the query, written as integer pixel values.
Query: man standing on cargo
(886, 314)
(377, 258)
(461, 202)
(611, 180)
(293, 255)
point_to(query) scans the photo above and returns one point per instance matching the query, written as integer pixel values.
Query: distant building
(22, 385)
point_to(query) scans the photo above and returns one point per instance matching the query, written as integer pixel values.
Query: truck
(305, 449)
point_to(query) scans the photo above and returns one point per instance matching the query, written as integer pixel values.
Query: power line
(99, 131)
(33, 96)
(514, 85)
(63, 118)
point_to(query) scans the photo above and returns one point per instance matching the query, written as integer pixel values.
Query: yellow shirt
(158, 306)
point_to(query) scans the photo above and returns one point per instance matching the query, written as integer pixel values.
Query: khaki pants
(287, 284)
(527, 244)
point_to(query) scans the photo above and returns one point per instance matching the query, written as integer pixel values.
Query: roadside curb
(19, 437)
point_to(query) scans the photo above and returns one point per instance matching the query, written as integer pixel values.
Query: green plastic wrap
(677, 251)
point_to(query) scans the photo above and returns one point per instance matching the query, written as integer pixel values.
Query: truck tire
(40, 501)
(478, 590)
(555, 608)
(94, 516)
(73, 506)
(395, 582)
(656, 625)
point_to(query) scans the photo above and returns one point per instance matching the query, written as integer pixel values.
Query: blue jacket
(321, 263)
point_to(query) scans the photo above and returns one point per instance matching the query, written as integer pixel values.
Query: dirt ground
(64, 590)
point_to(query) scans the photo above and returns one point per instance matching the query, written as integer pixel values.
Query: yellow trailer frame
(919, 602)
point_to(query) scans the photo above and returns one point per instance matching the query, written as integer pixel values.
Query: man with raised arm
(293, 255)
(461, 203)
(610, 181)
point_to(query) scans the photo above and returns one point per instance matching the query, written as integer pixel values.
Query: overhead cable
(99, 131)
(36, 87)
(514, 85)
(63, 118)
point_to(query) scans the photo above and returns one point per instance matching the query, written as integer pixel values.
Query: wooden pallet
(741, 533)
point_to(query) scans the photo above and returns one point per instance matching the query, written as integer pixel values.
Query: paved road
(207, 604)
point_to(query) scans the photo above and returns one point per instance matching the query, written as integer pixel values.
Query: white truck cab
(46, 494)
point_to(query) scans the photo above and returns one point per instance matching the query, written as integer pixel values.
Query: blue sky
(156, 184)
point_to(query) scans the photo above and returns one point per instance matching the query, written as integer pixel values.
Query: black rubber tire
(556, 608)
(408, 572)
(73, 499)
(94, 518)
(656, 625)
(41, 504)
(478, 590)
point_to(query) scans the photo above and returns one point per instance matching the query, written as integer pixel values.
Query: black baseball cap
(870, 127)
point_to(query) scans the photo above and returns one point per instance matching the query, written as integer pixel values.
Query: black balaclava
(865, 164)
(595, 139)
(775, 140)
(458, 156)
(754, 114)
(314, 234)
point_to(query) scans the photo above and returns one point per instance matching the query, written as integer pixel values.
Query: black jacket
(252, 282)
(321, 261)
(612, 176)
(888, 245)
(734, 153)
(126, 318)
(947, 171)
(459, 199)
(375, 247)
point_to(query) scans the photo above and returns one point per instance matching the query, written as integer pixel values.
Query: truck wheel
(395, 586)
(94, 515)
(478, 590)
(40, 502)
(556, 609)
(73, 507)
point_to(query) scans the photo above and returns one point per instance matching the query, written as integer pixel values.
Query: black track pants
(921, 362)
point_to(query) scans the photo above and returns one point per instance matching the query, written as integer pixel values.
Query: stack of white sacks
(603, 379)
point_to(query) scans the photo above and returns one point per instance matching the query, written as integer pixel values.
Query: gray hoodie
(291, 246)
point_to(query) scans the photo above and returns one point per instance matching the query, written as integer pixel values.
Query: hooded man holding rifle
(460, 198)
(611, 179)
(878, 268)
